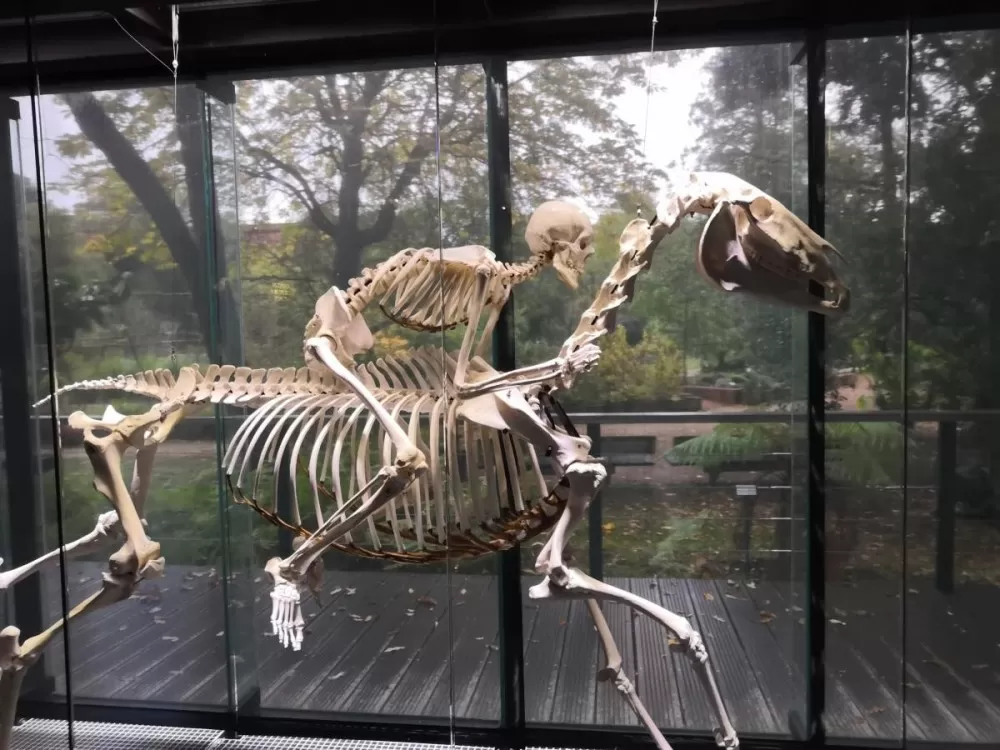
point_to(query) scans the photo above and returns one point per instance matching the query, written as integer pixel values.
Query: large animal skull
(761, 248)
(562, 232)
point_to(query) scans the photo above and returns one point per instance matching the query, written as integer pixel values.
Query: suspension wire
(50, 355)
(649, 81)
(905, 334)
(175, 45)
(449, 579)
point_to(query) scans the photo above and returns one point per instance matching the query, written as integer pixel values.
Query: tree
(152, 171)
(349, 163)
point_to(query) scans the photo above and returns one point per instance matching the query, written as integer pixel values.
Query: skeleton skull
(561, 232)
(761, 248)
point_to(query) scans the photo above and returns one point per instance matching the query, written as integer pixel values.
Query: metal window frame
(511, 730)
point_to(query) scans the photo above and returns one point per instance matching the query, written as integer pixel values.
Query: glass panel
(132, 290)
(865, 107)
(473, 654)
(224, 247)
(698, 513)
(340, 173)
(952, 694)
(31, 526)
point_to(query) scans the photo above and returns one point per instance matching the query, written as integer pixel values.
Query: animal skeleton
(446, 449)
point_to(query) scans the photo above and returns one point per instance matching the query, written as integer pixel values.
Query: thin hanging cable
(649, 77)
(440, 192)
(175, 45)
(905, 333)
(51, 363)
(148, 51)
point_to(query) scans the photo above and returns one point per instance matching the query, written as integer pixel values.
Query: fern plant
(857, 453)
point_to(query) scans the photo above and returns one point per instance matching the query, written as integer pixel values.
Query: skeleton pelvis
(738, 252)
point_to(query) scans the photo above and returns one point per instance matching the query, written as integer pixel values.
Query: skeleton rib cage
(485, 489)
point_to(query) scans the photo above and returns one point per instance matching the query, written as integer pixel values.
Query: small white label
(743, 490)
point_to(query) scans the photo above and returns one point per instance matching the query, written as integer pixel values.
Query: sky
(667, 110)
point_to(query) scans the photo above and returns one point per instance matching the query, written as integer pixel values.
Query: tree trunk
(188, 248)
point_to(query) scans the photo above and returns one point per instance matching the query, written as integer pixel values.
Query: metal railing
(947, 452)
(204, 427)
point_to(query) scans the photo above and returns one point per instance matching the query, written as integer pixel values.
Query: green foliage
(730, 442)
(858, 453)
(646, 372)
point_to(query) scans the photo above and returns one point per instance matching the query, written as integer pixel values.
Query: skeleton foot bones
(434, 455)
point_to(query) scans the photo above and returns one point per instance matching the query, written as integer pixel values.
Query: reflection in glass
(865, 452)
(29, 528)
(698, 513)
(128, 240)
(952, 694)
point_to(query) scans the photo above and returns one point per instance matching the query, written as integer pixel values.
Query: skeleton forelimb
(107, 523)
(558, 371)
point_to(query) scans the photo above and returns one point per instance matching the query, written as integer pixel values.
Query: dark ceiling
(76, 43)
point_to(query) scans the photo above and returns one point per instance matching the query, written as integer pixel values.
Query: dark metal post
(595, 513)
(816, 505)
(20, 460)
(944, 570)
(511, 630)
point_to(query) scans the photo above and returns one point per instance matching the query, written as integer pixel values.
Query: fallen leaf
(171, 638)
(609, 526)
(708, 597)
(336, 676)
(837, 622)
(392, 648)
(766, 617)
(720, 619)
(427, 601)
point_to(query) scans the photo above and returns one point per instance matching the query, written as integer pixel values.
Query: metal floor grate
(308, 743)
(50, 734)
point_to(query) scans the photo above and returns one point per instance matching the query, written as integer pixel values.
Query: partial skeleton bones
(443, 452)
(17, 657)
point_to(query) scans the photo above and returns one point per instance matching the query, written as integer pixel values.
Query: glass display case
(357, 337)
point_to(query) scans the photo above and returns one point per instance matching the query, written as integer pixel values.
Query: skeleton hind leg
(613, 671)
(574, 583)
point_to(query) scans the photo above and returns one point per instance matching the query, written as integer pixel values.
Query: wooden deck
(380, 646)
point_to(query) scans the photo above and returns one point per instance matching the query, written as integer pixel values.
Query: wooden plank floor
(389, 644)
